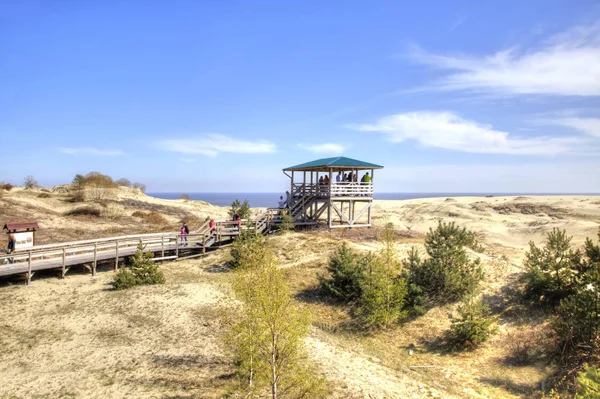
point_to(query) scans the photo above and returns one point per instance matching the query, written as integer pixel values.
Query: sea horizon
(269, 199)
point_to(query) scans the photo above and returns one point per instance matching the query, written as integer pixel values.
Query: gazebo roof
(334, 163)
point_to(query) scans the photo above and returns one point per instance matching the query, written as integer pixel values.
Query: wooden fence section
(62, 256)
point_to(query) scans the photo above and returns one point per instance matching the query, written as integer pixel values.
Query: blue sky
(219, 96)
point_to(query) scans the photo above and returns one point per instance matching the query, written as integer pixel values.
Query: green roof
(337, 162)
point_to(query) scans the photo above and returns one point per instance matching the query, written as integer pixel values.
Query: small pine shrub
(44, 195)
(473, 327)
(346, 272)
(448, 274)
(552, 271)
(124, 279)
(242, 210)
(588, 383)
(143, 271)
(287, 223)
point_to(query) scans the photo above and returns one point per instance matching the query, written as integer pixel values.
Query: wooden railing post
(162, 246)
(177, 247)
(29, 269)
(204, 243)
(117, 256)
(95, 259)
(64, 262)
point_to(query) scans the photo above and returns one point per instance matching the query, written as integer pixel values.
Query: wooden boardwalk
(168, 246)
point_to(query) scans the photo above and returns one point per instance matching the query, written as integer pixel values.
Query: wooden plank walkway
(62, 256)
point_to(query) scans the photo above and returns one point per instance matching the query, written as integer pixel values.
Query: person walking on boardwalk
(11, 247)
(211, 225)
(183, 236)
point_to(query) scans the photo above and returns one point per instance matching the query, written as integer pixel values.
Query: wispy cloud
(458, 22)
(89, 151)
(331, 148)
(187, 160)
(589, 126)
(566, 64)
(213, 144)
(449, 131)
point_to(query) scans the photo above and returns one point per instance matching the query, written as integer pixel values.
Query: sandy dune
(77, 338)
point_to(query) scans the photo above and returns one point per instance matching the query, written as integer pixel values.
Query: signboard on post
(23, 240)
(24, 233)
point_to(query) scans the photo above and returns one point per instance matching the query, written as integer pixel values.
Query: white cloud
(213, 144)
(331, 148)
(589, 126)
(89, 151)
(448, 130)
(566, 64)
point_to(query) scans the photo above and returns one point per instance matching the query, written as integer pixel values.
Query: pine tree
(143, 271)
(346, 272)
(473, 327)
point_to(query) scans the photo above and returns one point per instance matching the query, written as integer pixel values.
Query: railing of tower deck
(342, 189)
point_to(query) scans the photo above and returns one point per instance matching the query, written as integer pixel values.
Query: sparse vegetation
(45, 195)
(30, 183)
(588, 383)
(123, 182)
(85, 211)
(112, 211)
(184, 197)
(7, 186)
(140, 186)
(143, 271)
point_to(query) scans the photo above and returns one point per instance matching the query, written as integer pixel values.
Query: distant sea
(265, 200)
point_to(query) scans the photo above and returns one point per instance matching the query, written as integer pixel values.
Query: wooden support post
(204, 243)
(177, 247)
(95, 259)
(162, 246)
(29, 269)
(369, 213)
(64, 262)
(117, 255)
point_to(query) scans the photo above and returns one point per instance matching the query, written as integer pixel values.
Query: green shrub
(124, 279)
(242, 210)
(473, 327)
(383, 294)
(246, 249)
(143, 271)
(287, 223)
(552, 271)
(448, 274)
(588, 383)
(346, 272)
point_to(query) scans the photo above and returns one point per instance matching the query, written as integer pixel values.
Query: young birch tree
(267, 337)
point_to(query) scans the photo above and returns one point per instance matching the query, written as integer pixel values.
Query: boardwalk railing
(89, 252)
(357, 189)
